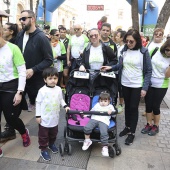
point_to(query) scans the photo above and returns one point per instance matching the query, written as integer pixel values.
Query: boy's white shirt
(48, 103)
(104, 119)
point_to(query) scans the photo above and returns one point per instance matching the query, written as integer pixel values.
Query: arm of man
(47, 55)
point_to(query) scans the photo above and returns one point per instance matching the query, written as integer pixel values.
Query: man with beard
(37, 53)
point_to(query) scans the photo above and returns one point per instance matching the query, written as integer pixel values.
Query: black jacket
(108, 54)
(38, 52)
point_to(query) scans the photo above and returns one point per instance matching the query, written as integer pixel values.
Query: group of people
(36, 64)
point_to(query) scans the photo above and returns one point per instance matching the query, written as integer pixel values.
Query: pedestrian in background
(37, 53)
(101, 21)
(158, 88)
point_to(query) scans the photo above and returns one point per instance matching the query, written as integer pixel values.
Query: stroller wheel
(61, 149)
(69, 149)
(112, 151)
(118, 150)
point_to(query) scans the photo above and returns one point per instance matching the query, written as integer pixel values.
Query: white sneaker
(31, 107)
(86, 144)
(105, 151)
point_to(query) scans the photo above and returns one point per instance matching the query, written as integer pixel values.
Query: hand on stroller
(104, 68)
(67, 109)
(109, 112)
(82, 68)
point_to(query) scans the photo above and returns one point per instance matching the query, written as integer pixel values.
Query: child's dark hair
(50, 71)
(104, 96)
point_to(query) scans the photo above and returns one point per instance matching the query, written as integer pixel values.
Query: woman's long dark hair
(15, 29)
(135, 34)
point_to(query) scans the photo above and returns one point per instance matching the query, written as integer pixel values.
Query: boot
(8, 134)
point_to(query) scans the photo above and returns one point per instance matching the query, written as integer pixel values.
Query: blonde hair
(159, 30)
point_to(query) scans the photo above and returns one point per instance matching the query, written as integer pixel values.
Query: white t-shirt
(104, 119)
(96, 57)
(10, 59)
(153, 45)
(48, 103)
(159, 66)
(77, 45)
(25, 39)
(132, 73)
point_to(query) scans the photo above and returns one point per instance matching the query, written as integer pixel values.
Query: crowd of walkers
(35, 66)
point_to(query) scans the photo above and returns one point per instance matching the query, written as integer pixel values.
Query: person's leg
(11, 116)
(65, 75)
(43, 140)
(127, 95)
(158, 95)
(87, 131)
(52, 138)
(104, 138)
(134, 104)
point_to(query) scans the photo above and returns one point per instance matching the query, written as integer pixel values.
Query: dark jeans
(47, 136)
(131, 99)
(11, 113)
(153, 99)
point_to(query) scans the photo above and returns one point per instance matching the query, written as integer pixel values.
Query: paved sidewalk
(146, 152)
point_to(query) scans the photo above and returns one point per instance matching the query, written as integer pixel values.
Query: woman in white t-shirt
(158, 89)
(134, 74)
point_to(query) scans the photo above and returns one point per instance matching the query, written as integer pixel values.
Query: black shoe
(125, 131)
(129, 139)
(154, 130)
(146, 129)
(7, 135)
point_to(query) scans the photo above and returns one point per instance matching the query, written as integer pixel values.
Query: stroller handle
(91, 113)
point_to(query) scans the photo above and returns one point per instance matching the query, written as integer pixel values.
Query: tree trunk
(31, 5)
(36, 8)
(164, 15)
(135, 19)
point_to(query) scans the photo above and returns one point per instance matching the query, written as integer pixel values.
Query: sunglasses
(57, 35)
(167, 50)
(77, 29)
(94, 35)
(160, 34)
(24, 18)
(129, 41)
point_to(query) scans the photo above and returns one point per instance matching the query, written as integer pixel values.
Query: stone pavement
(145, 153)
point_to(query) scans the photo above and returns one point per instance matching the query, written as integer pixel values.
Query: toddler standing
(48, 103)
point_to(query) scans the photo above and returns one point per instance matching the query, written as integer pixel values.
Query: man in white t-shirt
(76, 46)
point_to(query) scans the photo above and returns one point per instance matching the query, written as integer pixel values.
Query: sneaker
(146, 129)
(154, 130)
(45, 155)
(1, 153)
(125, 131)
(7, 135)
(26, 139)
(86, 144)
(53, 148)
(105, 151)
(120, 109)
(31, 107)
(129, 139)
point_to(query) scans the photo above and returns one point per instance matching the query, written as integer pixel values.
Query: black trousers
(153, 99)
(11, 112)
(131, 99)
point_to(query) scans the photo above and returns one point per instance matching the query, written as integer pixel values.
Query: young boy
(48, 103)
(101, 121)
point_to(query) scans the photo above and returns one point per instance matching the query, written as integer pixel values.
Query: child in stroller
(102, 122)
